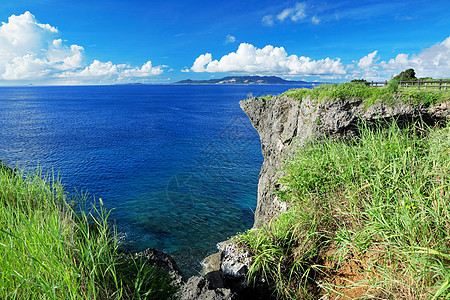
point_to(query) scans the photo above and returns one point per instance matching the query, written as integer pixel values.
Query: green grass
(382, 201)
(371, 95)
(48, 251)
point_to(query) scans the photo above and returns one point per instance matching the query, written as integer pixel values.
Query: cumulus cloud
(270, 60)
(201, 62)
(430, 62)
(30, 50)
(230, 39)
(367, 60)
(248, 59)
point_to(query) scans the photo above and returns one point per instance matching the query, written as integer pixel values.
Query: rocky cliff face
(282, 122)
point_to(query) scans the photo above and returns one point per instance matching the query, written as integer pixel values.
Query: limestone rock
(235, 262)
(201, 288)
(283, 122)
(164, 262)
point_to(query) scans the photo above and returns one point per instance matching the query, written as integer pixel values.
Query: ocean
(177, 165)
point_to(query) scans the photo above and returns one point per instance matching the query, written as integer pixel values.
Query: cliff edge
(282, 121)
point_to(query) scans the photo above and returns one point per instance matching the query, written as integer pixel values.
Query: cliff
(283, 121)
(284, 124)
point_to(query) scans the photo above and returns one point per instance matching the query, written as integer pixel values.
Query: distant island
(243, 80)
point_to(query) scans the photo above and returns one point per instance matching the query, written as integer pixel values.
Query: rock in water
(164, 262)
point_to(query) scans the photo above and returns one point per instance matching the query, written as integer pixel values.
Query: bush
(407, 75)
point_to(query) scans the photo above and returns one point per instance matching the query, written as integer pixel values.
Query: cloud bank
(32, 51)
(430, 62)
(248, 59)
(269, 60)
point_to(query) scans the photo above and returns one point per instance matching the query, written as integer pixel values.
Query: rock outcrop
(225, 278)
(282, 122)
(164, 262)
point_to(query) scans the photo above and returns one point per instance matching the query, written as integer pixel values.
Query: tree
(407, 75)
(360, 81)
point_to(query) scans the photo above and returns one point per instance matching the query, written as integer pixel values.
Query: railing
(377, 83)
(425, 84)
(440, 84)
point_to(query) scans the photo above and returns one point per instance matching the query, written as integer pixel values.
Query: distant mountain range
(243, 80)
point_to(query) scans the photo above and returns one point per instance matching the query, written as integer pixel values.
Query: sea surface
(178, 165)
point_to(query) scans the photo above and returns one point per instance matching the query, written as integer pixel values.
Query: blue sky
(112, 41)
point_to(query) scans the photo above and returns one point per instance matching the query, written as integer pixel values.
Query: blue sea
(178, 165)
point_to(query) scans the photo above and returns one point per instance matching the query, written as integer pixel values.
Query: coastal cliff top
(388, 94)
(353, 189)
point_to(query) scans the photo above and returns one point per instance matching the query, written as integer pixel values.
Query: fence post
(440, 84)
(385, 83)
(418, 84)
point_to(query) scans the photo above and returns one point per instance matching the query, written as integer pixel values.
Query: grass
(370, 95)
(367, 217)
(48, 251)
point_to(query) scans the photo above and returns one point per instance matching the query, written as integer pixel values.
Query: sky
(82, 42)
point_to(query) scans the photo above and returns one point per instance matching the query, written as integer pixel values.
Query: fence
(425, 84)
(440, 84)
(377, 83)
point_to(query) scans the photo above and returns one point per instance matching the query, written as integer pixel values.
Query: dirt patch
(352, 277)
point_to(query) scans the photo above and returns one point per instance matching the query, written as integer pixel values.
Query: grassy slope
(50, 252)
(369, 217)
(370, 95)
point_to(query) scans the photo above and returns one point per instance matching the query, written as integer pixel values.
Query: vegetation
(371, 95)
(48, 251)
(360, 81)
(369, 217)
(407, 75)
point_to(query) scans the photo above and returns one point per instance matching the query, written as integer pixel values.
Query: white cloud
(367, 60)
(295, 14)
(267, 20)
(315, 20)
(433, 61)
(298, 12)
(284, 14)
(248, 59)
(97, 68)
(32, 51)
(271, 60)
(430, 62)
(120, 72)
(185, 70)
(230, 39)
(201, 62)
(146, 70)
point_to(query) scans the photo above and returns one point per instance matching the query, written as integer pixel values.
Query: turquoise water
(178, 165)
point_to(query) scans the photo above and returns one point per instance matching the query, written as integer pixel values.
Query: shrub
(407, 75)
